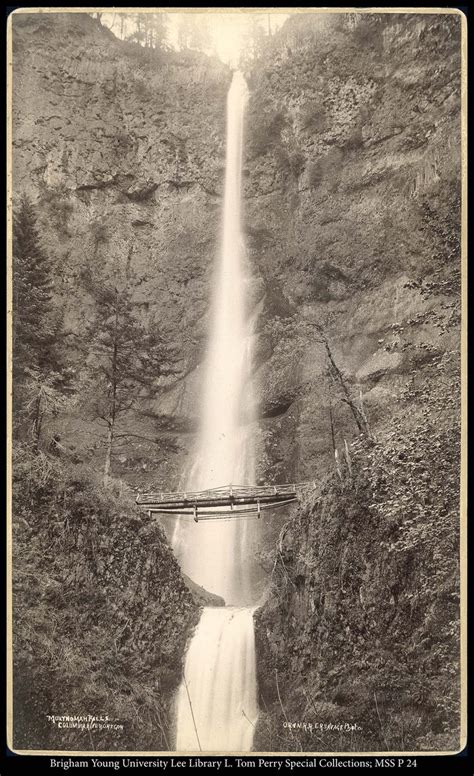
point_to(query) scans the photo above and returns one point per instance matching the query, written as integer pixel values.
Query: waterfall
(215, 553)
(216, 703)
(220, 680)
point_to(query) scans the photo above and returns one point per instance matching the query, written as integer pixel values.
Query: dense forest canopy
(233, 37)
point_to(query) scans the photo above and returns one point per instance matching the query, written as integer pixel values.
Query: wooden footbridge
(222, 503)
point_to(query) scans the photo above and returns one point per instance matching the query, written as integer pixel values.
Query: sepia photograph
(237, 333)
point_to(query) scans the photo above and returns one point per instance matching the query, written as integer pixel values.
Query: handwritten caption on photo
(322, 727)
(84, 722)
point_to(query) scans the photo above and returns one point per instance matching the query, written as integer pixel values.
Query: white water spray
(216, 704)
(214, 553)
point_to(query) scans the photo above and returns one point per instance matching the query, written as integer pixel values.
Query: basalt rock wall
(351, 191)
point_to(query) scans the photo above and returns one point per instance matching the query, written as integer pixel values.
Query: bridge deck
(233, 499)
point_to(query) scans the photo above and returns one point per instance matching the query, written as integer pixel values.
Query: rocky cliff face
(358, 641)
(123, 151)
(353, 212)
(351, 191)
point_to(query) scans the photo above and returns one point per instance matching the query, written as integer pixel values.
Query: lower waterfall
(217, 704)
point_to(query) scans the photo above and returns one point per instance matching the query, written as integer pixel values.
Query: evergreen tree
(124, 357)
(156, 27)
(33, 324)
(37, 373)
(255, 38)
(149, 29)
(138, 34)
(194, 33)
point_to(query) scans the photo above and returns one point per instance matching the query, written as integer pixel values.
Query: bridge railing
(228, 493)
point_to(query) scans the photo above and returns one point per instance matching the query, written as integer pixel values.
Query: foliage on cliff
(120, 147)
(352, 162)
(361, 626)
(101, 612)
(353, 149)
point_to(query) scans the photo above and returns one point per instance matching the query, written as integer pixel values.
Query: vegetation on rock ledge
(362, 621)
(101, 612)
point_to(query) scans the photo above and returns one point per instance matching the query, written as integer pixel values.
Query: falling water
(213, 553)
(216, 704)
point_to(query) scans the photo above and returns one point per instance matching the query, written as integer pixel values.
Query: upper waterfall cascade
(216, 555)
(216, 702)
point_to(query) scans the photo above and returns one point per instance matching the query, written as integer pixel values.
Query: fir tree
(33, 323)
(124, 357)
(156, 26)
(254, 39)
(194, 33)
(150, 29)
(36, 322)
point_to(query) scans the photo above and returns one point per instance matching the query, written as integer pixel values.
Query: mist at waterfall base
(216, 705)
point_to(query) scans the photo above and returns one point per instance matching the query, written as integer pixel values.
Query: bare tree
(339, 380)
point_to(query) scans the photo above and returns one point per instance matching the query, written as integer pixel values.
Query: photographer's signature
(323, 727)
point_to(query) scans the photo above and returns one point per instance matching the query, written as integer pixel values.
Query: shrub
(266, 131)
(315, 174)
(297, 163)
(314, 118)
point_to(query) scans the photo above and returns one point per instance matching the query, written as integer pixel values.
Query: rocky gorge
(351, 208)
